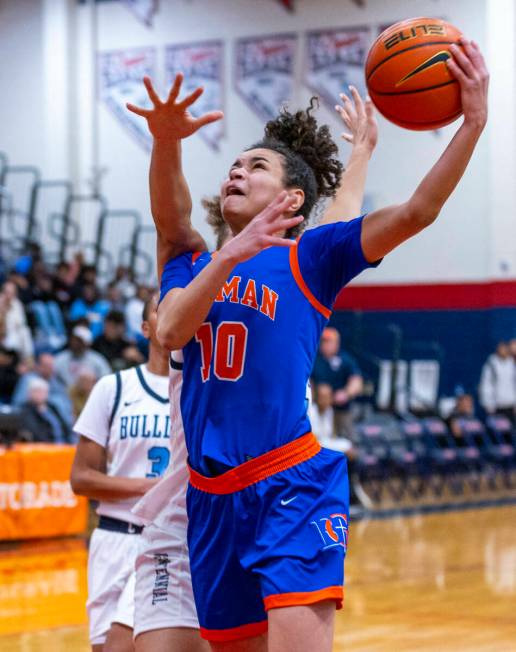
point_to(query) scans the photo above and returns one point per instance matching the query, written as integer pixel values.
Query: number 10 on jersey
(225, 349)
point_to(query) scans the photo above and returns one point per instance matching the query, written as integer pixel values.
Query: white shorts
(163, 591)
(111, 578)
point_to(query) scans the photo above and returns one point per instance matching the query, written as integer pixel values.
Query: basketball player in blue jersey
(124, 448)
(158, 629)
(267, 507)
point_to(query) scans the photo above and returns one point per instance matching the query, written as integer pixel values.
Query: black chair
(373, 459)
(442, 452)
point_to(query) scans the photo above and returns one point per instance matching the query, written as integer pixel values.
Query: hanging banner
(120, 75)
(144, 10)
(264, 72)
(334, 59)
(202, 65)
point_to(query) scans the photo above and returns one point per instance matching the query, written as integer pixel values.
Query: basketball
(407, 76)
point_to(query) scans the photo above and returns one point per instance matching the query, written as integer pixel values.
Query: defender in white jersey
(124, 448)
(165, 617)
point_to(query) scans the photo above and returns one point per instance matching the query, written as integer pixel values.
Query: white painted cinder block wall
(49, 115)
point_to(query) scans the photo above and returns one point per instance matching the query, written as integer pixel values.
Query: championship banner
(202, 65)
(144, 10)
(36, 499)
(120, 75)
(264, 72)
(334, 59)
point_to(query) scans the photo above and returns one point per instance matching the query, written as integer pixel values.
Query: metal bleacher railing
(47, 211)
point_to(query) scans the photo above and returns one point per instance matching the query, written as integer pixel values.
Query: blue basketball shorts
(269, 533)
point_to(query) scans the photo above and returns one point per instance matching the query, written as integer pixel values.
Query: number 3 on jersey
(229, 343)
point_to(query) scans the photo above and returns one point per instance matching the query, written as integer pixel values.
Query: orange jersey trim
(296, 273)
(259, 468)
(308, 597)
(195, 255)
(234, 633)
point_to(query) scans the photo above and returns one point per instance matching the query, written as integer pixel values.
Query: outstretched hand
(263, 231)
(468, 67)
(359, 118)
(171, 119)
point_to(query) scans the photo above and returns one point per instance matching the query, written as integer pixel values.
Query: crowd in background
(60, 331)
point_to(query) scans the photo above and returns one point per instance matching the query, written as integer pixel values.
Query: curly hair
(310, 156)
(215, 219)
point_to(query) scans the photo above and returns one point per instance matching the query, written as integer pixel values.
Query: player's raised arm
(385, 229)
(359, 119)
(169, 122)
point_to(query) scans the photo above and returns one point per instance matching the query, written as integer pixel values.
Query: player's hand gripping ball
(407, 76)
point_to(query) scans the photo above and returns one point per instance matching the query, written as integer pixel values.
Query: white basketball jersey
(129, 414)
(165, 502)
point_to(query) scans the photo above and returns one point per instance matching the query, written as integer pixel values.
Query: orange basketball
(407, 76)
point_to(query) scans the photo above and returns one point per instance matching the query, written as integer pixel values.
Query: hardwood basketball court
(442, 582)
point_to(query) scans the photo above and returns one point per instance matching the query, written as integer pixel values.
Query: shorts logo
(288, 500)
(333, 530)
(160, 590)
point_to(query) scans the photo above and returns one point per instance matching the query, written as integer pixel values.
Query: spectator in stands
(118, 350)
(115, 297)
(87, 275)
(81, 389)
(498, 383)
(43, 288)
(91, 306)
(124, 282)
(64, 280)
(321, 415)
(25, 264)
(14, 331)
(58, 392)
(134, 311)
(40, 419)
(9, 373)
(339, 370)
(464, 409)
(320, 412)
(71, 362)
(512, 348)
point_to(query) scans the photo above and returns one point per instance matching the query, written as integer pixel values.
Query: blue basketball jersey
(246, 369)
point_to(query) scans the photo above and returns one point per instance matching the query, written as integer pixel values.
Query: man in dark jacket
(41, 422)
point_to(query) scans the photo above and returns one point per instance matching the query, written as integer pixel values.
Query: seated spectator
(320, 412)
(81, 389)
(124, 282)
(497, 391)
(339, 370)
(9, 373)
(464, 409)
(15, 333)
(58, 392)
(43, 288)
(134, 311)
(71, 362)
(64, 280)
(91, 306)
(118, 350)
(115, 297)
(321, 416)
(41, 422)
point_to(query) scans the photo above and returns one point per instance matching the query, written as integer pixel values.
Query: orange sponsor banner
(36, 500)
